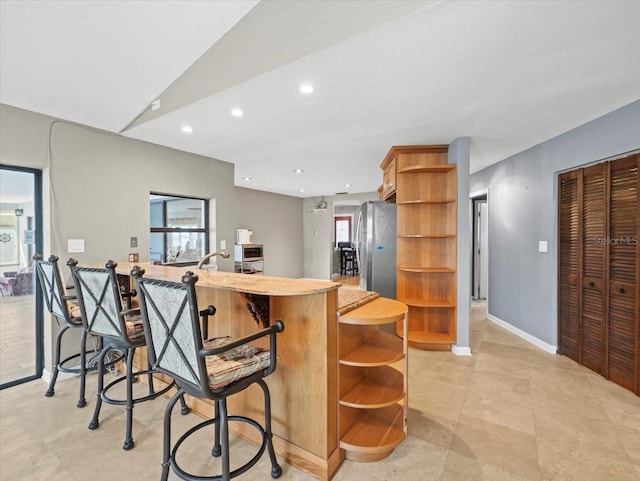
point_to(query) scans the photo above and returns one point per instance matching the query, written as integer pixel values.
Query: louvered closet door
(594, 254)
(623, 274)
(569, 266)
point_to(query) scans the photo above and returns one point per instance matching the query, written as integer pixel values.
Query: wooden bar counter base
(304, 387)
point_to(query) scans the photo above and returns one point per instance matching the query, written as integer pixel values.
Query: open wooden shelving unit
(426, 196)
(372, 380)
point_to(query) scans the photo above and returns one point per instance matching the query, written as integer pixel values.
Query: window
(342, 228)
(179, 229)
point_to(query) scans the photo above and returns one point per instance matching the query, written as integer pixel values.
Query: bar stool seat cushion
(74, 312)
(234, 364)
(135, 327)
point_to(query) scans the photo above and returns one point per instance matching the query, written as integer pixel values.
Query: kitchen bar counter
(304, 387)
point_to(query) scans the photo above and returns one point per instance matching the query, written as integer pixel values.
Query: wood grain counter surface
(252, 284)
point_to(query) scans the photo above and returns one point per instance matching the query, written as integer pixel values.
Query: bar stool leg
(276, 470)
(54, 376)
(166, 441)
(128, 441)
(224, 434)
(82, 402)
(95, 423)
(216, 451)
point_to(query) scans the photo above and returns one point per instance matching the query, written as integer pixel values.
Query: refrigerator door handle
(358, 234)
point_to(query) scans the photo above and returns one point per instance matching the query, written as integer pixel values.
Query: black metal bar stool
(62, 307)
(101, 303)
(214, 370)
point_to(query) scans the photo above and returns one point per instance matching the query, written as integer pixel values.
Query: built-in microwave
(247, 252)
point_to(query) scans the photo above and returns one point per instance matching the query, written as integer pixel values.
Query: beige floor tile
(510, 412)
(441, 399)
(500, 399)
(509, 450)
(630, 439)
(430, 428)
(463, 468)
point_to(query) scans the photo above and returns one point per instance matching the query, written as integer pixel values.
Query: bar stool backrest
(53, 291)
(172, 325)
(99, 298)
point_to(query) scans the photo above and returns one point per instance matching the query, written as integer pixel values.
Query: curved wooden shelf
(427, 169)
(446, 270)
(426, 201)
(429, 340)
(426, 236)
(379, 311)
(380, 350)
(383, 387)
(428, 303)
(375, 434)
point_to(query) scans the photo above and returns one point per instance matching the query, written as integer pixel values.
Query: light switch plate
(133, 242)
(223, 244)
(75, 246)
(542, 246)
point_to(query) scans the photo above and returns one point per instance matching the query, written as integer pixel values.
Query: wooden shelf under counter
(381, 349)
(374, 434)
(376, 388)
(373, 379)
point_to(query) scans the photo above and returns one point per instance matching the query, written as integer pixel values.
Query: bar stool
(101, 304)
(65, 310)
(214, 370)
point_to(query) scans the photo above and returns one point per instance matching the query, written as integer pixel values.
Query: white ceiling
(507, 74)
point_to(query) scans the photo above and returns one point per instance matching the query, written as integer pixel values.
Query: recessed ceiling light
(301, 190)
(306, 88)
(187, 129)
(237, 112)
(298, 171)
(347, 185)
(247, 179)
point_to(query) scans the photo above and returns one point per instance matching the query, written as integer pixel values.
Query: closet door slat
(594, 236)
(569, 266)
(623, 274)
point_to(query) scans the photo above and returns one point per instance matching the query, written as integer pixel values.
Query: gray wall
(459, 151)
(523, 210)
(96, 187)
(276, 222)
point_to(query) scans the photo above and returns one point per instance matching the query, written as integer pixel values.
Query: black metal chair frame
(103, 314)
(161, 336)
(57, 299)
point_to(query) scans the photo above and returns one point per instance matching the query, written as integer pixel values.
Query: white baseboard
(461, 351)
(524, 335)
(46, 376)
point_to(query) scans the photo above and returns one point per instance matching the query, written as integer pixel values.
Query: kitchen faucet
(201, 262)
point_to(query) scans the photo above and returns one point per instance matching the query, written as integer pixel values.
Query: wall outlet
(133, 242)
(133, 257)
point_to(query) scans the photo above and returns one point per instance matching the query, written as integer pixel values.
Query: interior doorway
(480, 247)
(344, 227)
(21, 330)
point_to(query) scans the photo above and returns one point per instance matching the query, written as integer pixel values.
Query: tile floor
(510, 412)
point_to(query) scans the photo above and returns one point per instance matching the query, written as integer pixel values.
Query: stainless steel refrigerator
(376, 247)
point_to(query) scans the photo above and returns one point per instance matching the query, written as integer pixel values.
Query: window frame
(340, 218)
(172, 230)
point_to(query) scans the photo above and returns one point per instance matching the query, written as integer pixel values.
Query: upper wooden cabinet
(388, 167)
(426, 195)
